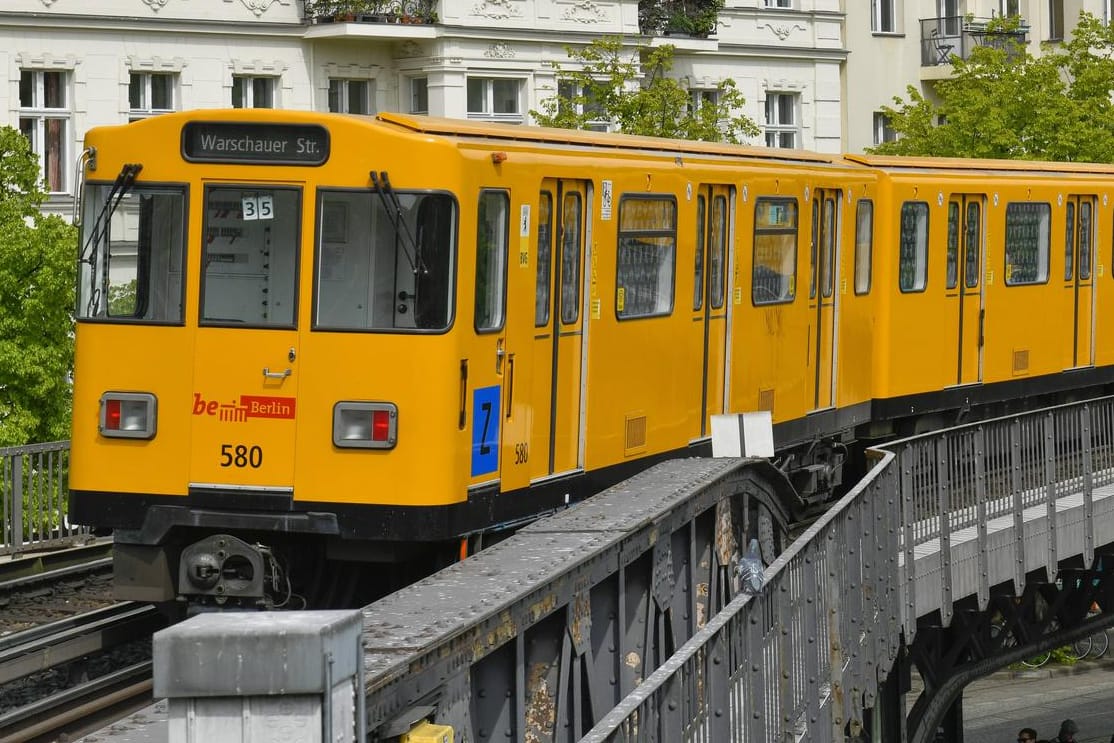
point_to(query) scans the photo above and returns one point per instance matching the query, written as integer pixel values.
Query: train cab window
(249, 264)
(776, 224)
(645, 264)
(571, 229)
(385, 261)
(913, 248)
(493, 228)
(545, 259)
(1028, 237)
(132, 254)
(864, 245)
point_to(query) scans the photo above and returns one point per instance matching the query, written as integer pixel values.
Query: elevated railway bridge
(621, 619)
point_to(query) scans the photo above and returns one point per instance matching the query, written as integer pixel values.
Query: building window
(419, 95)
(584, 104)
(883, 16)
(494, 98)
(779, 3)
(883, 128)
(781, 120)
(44, 118)
(150, 93)
(253, 92)
(350, 96)
(1013, 7)
(1055, 20)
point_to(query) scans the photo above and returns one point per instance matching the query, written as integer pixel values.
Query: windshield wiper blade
(124, 182)
(393, 208)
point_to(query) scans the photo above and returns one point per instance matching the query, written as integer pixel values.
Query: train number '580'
(241, 455)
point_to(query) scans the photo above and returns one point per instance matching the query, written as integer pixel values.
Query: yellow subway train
(317, 353)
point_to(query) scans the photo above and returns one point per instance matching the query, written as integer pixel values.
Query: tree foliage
(36, 303)
(1002, 102)
(634, 91)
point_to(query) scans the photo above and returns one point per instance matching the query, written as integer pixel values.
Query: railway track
(58, 671)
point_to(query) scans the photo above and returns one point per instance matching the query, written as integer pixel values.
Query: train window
(493, 228)
(1028, 237)
(646, 257)
(827, 247)
(570, 257)
(698, 287)
(971, 245)
(775, 251)
(1084, 240)
(384, 261)
(249, 264)
(1069, 240)
(864, 245)
(717, 249)
(545, 258)
(913, 249)
(953, 245)
(132, 254)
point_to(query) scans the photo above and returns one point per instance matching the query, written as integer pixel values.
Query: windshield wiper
(410, 247)
(123, 183)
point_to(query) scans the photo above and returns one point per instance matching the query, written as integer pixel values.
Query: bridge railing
(34, 483)
(803, 654)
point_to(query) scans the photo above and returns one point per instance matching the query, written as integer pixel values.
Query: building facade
(72, 65)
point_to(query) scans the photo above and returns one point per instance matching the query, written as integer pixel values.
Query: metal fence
(34, 483)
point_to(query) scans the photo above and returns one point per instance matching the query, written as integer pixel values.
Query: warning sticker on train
(246, 408)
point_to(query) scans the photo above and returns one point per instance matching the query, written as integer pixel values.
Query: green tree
(633, 90)
(36, 303)
(1002, 102)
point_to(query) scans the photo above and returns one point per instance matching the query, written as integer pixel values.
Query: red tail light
(128, 415)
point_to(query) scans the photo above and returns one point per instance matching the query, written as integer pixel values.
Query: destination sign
(262, 144)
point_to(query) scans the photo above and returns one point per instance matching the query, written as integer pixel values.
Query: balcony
(958, 36)
(404, 12)
(684, 18)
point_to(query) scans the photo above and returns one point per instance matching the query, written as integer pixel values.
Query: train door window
(953, 245)
(717, 251)
(1069, 241)
(774, 276)
(698, 289)
(913, 248)
(1084, 240)
(545, 259)
(571, 215)
(812, 249)
(864, 245)
(249, 266)
(827, 246)
(972, 245)
(132, 254)
(493, 228)
(384, 264)
(646, 256)
(1028, 237)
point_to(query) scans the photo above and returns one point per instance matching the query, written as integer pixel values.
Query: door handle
(278, 374)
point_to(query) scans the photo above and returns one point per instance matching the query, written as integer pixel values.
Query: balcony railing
(370, 11)
(957, 36)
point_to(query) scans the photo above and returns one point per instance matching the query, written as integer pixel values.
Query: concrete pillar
(235, 677)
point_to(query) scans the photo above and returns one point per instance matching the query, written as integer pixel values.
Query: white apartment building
(72, 65)
(897, 43)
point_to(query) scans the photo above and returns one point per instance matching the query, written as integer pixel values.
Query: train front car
(264, 348)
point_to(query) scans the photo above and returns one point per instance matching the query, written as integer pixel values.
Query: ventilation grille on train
(766, 400)
(1020, 362)
(635, 434)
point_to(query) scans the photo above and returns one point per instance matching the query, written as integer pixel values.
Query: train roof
(921, 164)
(492, 132)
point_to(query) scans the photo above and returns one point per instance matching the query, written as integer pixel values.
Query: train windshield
(385, 260)
(131, 260)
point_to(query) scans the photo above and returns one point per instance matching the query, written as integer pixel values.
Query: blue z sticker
(485, 430)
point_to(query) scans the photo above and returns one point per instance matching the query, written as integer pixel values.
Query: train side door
(822, 295)
(247, 367)
(557, 381)
(709, 305)
(1078, 261)
(963, 282)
